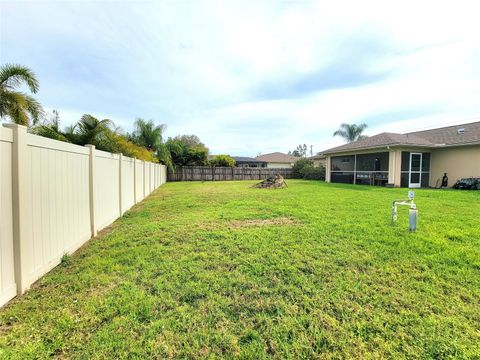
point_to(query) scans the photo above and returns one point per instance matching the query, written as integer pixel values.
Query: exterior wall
(54, 196)
(319, 162)
(394, 167)
(273, 165)
(459, 162)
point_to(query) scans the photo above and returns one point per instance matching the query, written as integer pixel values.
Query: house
(318, 160)
(243, 161)
(415, 159)
(278, 160)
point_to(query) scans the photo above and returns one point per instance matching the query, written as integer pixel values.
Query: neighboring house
(318, 160)
(278, 160)
(415, 159)
(242, 161)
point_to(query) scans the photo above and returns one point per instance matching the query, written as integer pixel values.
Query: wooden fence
(207, 173)
(54, 196)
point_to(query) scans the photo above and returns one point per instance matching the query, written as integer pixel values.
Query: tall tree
(187, 150)
(351, 132)
(150, 136)
(147, 134)
(15, 105)
(300, 151)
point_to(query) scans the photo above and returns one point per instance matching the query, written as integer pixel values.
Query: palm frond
(49, 132)
(34, 108)
(13, 75)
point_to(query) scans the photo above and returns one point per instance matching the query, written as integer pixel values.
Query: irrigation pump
(412, 212)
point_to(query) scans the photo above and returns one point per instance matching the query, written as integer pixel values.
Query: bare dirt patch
(236, 224)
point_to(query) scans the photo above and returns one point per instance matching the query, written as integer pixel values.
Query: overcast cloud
(252, 76)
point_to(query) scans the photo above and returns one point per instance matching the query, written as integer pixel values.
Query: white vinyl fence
(54, 196)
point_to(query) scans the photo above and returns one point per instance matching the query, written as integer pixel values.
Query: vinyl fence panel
(58, 197)
(127, 192)
(107, 188)
(139, 195)
(54, 196)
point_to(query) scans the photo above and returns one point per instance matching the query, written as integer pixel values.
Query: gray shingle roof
(450, 136)
(428, 138)
(277, 157)
(245, 159)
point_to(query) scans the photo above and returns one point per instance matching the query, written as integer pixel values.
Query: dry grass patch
(278, 221)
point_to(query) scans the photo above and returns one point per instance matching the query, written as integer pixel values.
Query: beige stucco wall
(457, 162)
(319, 162)
(279, 165)
(394, 167)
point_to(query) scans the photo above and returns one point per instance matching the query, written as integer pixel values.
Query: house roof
(450, 135)
(246, 159)
(317, 157)
(446, 136)
(277, 157)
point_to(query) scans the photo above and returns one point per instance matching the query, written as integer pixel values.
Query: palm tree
(51, 128)
(19, 107)
(351, 132)
(148, 135)
(90, 130)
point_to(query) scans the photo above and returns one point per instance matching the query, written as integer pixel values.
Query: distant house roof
(246, 159)
(447, 136)
(317, 157)
(277, 157)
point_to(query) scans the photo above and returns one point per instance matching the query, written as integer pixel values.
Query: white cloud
(198, 65)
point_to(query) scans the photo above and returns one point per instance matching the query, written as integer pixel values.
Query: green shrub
(304, 169)
(309, 172)
(223, 160)
(300, 164)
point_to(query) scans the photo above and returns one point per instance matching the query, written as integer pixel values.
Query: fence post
(120, 164)
(20, 207)
(93, 225)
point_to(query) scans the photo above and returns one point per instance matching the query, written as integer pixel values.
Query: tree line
(145, 142)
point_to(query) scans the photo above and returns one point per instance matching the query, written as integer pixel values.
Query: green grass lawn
(221, 270)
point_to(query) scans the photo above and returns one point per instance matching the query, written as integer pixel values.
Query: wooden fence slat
(207, 173)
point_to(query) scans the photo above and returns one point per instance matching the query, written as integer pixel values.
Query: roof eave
(387, 146)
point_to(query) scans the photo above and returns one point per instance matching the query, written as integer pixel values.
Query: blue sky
(252, 77)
